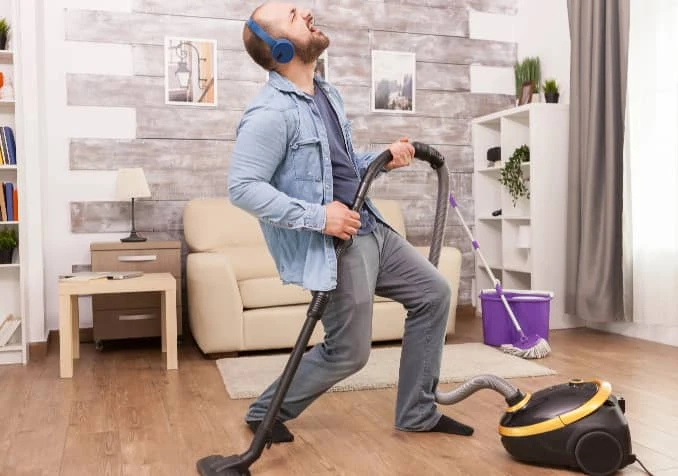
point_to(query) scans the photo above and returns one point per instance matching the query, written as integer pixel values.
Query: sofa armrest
(214, 304)
(449, 266)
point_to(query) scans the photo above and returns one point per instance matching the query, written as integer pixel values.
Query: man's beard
(309, 52)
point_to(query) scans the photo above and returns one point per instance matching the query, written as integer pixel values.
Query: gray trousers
(385, 264)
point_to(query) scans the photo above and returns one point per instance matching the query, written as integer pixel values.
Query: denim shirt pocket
(307, 159)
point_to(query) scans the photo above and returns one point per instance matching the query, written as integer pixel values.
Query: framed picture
(526, 93)
(393, 81)
(190, 71)
(321, 67)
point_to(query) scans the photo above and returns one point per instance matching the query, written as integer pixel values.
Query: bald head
(284, 20)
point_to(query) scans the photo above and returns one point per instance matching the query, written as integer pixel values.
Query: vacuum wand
(238, 465)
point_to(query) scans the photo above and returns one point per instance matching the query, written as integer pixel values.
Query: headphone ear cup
(283, 51)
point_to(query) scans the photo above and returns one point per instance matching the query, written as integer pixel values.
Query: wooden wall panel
(447, 49)
(186, 151)
(186, 155)
(146, 91)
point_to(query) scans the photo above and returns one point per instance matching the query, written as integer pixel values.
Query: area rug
(247, 377)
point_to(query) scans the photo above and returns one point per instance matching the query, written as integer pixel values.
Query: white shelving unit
(525, 245)
(12, 277)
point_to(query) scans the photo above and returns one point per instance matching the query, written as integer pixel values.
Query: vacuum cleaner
(578, 424)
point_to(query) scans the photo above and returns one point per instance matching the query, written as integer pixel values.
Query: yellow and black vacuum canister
(578, 424)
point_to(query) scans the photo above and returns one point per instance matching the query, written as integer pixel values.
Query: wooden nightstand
(133, 315)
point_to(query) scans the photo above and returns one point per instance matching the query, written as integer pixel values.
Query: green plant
(8, 239)
(5, 30)
(528, 70)
(512, 174)
(550, 86)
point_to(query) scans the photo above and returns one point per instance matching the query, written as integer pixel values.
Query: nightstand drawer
(148, 261)
(129, 323)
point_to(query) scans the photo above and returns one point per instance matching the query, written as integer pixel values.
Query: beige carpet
(246, 377)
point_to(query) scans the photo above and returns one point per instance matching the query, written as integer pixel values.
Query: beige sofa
(236, 301)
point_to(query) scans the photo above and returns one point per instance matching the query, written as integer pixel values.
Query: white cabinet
(525, 244)
(12, 309)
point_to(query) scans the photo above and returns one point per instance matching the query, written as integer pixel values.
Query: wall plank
(443, 49)
(241, 9)
(140, 91)
(385, 128)
(148, 29)
(114, 217)
(109, 154)
(186, 123)
(183, 155)
(347, 15)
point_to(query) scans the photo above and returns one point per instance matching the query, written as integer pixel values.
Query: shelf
(10, 348)
(517, 218)
(6, 56)
(7, 102)
(8, 167)
(9, 222)
(10, 265)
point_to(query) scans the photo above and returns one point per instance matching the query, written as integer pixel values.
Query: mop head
(534, 347)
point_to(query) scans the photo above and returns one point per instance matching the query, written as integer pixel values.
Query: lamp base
(133, 238)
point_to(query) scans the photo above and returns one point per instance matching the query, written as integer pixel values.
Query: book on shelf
(7, 146)
(9, 202)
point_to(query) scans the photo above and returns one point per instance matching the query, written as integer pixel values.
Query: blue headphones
(282, 50)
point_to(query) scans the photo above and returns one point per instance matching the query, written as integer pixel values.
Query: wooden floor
(122, 414)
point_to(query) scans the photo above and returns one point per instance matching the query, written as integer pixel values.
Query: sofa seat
(236, 300)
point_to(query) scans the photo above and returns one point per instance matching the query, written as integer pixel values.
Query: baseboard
(37, 351)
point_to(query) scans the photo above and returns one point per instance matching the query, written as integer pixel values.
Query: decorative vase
(6, 255)
(551, 97)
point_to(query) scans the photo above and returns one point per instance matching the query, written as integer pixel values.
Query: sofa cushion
(250, 262)
(270, 292)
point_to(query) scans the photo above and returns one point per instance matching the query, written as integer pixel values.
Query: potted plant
(512, 174)
(527, 70)
(4, 33)
(8, 243)
(551, 91)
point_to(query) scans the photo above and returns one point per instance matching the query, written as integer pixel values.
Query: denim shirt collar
(281, 83)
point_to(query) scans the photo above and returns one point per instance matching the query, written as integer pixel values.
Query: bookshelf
(12, 308)
(524, 245)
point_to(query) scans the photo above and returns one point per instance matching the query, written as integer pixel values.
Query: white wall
(540, 28)
(63, 249)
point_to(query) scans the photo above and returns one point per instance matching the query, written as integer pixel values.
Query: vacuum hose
(479, 382)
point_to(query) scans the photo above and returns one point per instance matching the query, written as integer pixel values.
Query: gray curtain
(599, 56)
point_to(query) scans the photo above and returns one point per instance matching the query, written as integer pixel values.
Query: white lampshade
(131, 183)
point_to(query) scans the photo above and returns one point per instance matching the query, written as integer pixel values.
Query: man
(294, 168)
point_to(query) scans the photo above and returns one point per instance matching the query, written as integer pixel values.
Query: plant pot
(3, 42)
(551, 97)
(6, 255)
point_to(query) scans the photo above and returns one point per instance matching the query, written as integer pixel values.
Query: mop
(527, 347)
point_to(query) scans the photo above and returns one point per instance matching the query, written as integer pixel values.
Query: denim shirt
(280, 172)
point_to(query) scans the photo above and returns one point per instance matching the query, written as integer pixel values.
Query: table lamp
(131, 183)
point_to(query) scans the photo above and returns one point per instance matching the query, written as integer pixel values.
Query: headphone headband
(282, 50)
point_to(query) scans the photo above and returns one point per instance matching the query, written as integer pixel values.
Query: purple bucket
(531, 309)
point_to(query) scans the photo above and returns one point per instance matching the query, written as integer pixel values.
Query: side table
(70, 289)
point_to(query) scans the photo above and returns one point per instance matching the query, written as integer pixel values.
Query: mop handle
(476, 248)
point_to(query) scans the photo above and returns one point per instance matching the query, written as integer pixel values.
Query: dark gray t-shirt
(344, 175)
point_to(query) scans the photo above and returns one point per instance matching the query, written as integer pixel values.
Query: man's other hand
(403, 153)
(341, 221)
